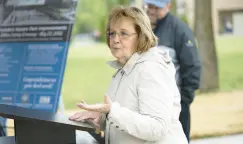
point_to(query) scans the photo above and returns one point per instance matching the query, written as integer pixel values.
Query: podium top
(20, 113)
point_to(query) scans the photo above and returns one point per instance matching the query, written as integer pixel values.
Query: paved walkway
(84, 137)
(233, 139)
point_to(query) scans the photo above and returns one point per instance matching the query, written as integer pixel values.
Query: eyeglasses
(122, 35)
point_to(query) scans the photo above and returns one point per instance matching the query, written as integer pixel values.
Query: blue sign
(34, 41)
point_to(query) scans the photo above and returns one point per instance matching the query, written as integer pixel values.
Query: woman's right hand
(90, 116)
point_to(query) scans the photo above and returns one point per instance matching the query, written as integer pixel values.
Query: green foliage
(88, 15)
(174, 7)
(92, 15)
(124, 2)
(184, 18)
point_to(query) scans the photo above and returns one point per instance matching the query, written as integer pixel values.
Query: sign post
(34, 41)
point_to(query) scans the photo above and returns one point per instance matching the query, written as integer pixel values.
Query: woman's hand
(91, 117)
(102, 108)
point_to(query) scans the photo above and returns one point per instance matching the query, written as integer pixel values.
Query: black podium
(40, 127)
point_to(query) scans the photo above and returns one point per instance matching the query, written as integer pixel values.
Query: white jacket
(145, 102)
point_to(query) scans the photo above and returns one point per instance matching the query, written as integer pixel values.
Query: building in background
(227, 16)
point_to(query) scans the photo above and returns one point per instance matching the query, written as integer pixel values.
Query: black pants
(185, 119)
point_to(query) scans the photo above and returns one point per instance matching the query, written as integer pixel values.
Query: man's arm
(189, 61)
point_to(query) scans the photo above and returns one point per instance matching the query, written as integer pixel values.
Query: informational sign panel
(34, 40)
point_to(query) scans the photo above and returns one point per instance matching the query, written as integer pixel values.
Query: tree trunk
(206, 44)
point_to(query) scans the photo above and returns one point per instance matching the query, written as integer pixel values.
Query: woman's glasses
(122, 34)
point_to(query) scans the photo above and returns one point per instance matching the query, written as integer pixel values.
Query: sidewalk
(233, 139)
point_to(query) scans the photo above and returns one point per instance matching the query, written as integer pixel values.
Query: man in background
(177, 36)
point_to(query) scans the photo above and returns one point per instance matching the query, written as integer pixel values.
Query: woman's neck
(123, 60)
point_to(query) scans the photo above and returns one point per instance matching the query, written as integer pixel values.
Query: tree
(109, 5)
(92, 15)
(88, 15)
(124, 2)
(206, 44)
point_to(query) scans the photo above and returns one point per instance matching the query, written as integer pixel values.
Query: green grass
(230, 59)
(87, 76)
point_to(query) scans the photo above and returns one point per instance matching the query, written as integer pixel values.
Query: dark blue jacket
(177, 36)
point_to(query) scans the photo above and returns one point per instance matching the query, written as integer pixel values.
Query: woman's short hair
(146, 37)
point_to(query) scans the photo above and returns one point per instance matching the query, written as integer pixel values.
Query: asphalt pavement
(232, 139)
